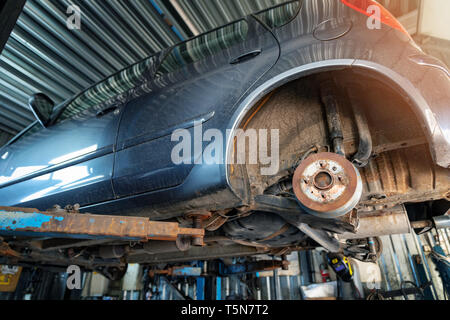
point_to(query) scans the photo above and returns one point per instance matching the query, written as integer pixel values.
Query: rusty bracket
(351, 218)
(5, 250)
(32, 222)
(198, 219)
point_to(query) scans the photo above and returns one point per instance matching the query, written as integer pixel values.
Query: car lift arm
(34, 223)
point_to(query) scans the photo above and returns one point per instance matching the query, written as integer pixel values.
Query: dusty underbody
(366, 122)
(367, 145)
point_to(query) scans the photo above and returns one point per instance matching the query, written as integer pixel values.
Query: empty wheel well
(401, 168)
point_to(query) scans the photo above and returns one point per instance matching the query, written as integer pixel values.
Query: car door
(70, 161)
(198, 80)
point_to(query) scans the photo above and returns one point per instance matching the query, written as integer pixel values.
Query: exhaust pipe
(380, 223)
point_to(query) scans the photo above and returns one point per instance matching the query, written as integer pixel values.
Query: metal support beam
(34, 223)
(198, 253)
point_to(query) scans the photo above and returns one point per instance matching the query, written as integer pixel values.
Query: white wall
(435, 18)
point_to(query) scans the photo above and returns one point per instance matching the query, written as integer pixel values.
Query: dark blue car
(359, 114)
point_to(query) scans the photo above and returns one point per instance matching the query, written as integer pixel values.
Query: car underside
(354, 164)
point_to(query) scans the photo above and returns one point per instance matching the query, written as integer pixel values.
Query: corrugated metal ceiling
(43, 55)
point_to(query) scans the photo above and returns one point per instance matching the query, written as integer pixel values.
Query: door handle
(246, 56)
(105, 111)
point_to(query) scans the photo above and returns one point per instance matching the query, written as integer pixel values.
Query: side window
(203, 46)
(107, 89)
(279, 15)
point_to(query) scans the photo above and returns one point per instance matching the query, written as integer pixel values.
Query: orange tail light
(386, 17)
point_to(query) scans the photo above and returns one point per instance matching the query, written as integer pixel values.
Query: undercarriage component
(216, 221)
(280, 221)
(155, 247)
(327, 241)
(290, 211)
(425, 216)
(328, 96)
(366, 250)
(362, 157)
(442, 222)
(327, 185)
(113, 273)
(5, 250)
(372, 247)
(402, 176)
(381, 222)
(81, 238)
(201, 253)
(422, 224)
(225, 240)
(110, 252)
(197, 218)
(264, 228)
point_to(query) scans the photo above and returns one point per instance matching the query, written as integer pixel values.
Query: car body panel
(194, 93)
(61, 162)
(83, 183)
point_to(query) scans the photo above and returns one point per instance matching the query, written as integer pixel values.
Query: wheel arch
(438, 144)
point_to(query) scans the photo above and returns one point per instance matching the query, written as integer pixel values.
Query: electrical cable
(375, 295)
(402, 289)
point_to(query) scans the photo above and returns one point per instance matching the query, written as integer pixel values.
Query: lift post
(27, 222)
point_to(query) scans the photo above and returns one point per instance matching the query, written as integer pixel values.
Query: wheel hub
(327, 185)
